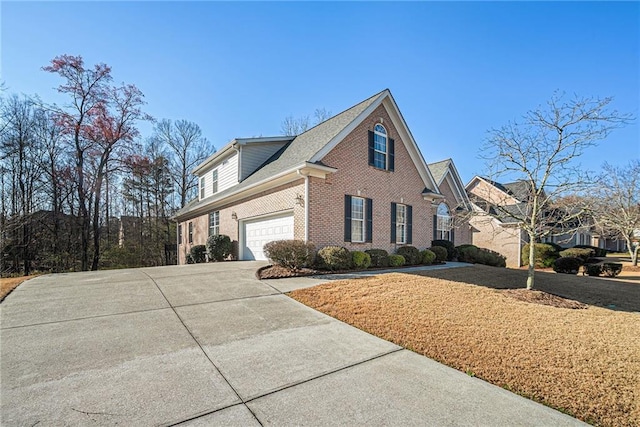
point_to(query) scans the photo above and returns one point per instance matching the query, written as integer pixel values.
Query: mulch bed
(277, 272)
(539, 297)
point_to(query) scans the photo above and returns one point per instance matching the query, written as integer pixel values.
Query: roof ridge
(342, 112)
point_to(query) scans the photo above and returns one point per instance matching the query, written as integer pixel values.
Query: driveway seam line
(202, 349)
(378, 356)
(195, 417)
(85, 318)
(225, 300)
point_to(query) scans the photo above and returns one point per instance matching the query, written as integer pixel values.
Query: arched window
(380, 147)
(443, 223)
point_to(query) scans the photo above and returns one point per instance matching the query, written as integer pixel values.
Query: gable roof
(307, 150)
(440, 170)
(517, 190)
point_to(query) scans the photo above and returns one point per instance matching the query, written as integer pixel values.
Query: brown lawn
(583, 361)
(9, 284)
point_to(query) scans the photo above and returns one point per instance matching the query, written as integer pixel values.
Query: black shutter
(393, 222)
(369, 223)
(347, 218)
(452, 236)
(371, 150)
(409, 224)
(435, 228)
(392, 152)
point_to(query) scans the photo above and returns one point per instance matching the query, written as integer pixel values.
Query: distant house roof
(308, 148)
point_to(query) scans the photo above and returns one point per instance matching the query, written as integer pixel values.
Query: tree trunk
(96, 216)
(532, 262)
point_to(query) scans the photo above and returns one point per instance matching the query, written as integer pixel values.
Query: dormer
(235, 162)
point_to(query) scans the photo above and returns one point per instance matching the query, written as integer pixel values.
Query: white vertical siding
(255, 155)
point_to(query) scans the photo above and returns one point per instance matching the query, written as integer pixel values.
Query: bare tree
(616, 204)
(292, 126)
(187, 149)
(541, 152)
(20, 153)
(321, 114)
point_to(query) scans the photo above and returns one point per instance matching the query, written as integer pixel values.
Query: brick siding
(356, 178)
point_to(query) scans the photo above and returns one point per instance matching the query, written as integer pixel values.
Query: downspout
(306, 204)
(239, 254)
(177, 243)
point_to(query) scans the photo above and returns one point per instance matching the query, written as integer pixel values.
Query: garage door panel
(260, 232)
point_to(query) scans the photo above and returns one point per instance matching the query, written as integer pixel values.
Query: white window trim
(386, 144)
(444, 224)
(361, 221)
(401, 237)
(214, 182)
(202, 188)
(216, 226)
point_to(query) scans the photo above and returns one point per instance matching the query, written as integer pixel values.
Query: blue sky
(238, 69)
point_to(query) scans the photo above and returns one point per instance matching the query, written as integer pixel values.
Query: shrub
(582, 253)
(611, 269)
(428, 257)
(396, 260)
(360, 259)
(491, 258)
(556, 246)
(545, 254)
(379, 257)
(441, 253)
(334, 258)
(291, 254)
(599, 252)
(467, 253)
(567, 265)
(198, 253)
(219, 247)
(190, 259)
(593, 269)
(449, 246)
(411, 254)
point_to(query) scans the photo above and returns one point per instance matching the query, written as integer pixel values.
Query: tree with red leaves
(99, 120)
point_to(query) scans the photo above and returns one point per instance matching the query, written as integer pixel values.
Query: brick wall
(491, 235)
(355, 177)
(280, 199)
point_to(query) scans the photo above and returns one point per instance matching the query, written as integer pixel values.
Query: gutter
(284, 177)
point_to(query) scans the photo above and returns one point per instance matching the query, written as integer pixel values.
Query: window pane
(357, 230)
(400, 214)
(380, 143)
(357, 208)
(400, 233)
(214, 179)
(379, 160)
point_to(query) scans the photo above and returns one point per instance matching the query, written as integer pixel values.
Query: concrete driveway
(209, 344)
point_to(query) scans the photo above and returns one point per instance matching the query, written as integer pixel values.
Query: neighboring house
(356, 180)
(497, 230)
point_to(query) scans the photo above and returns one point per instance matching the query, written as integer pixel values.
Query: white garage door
(259, 232)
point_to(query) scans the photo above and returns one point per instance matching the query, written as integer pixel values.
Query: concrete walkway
(202, 345)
